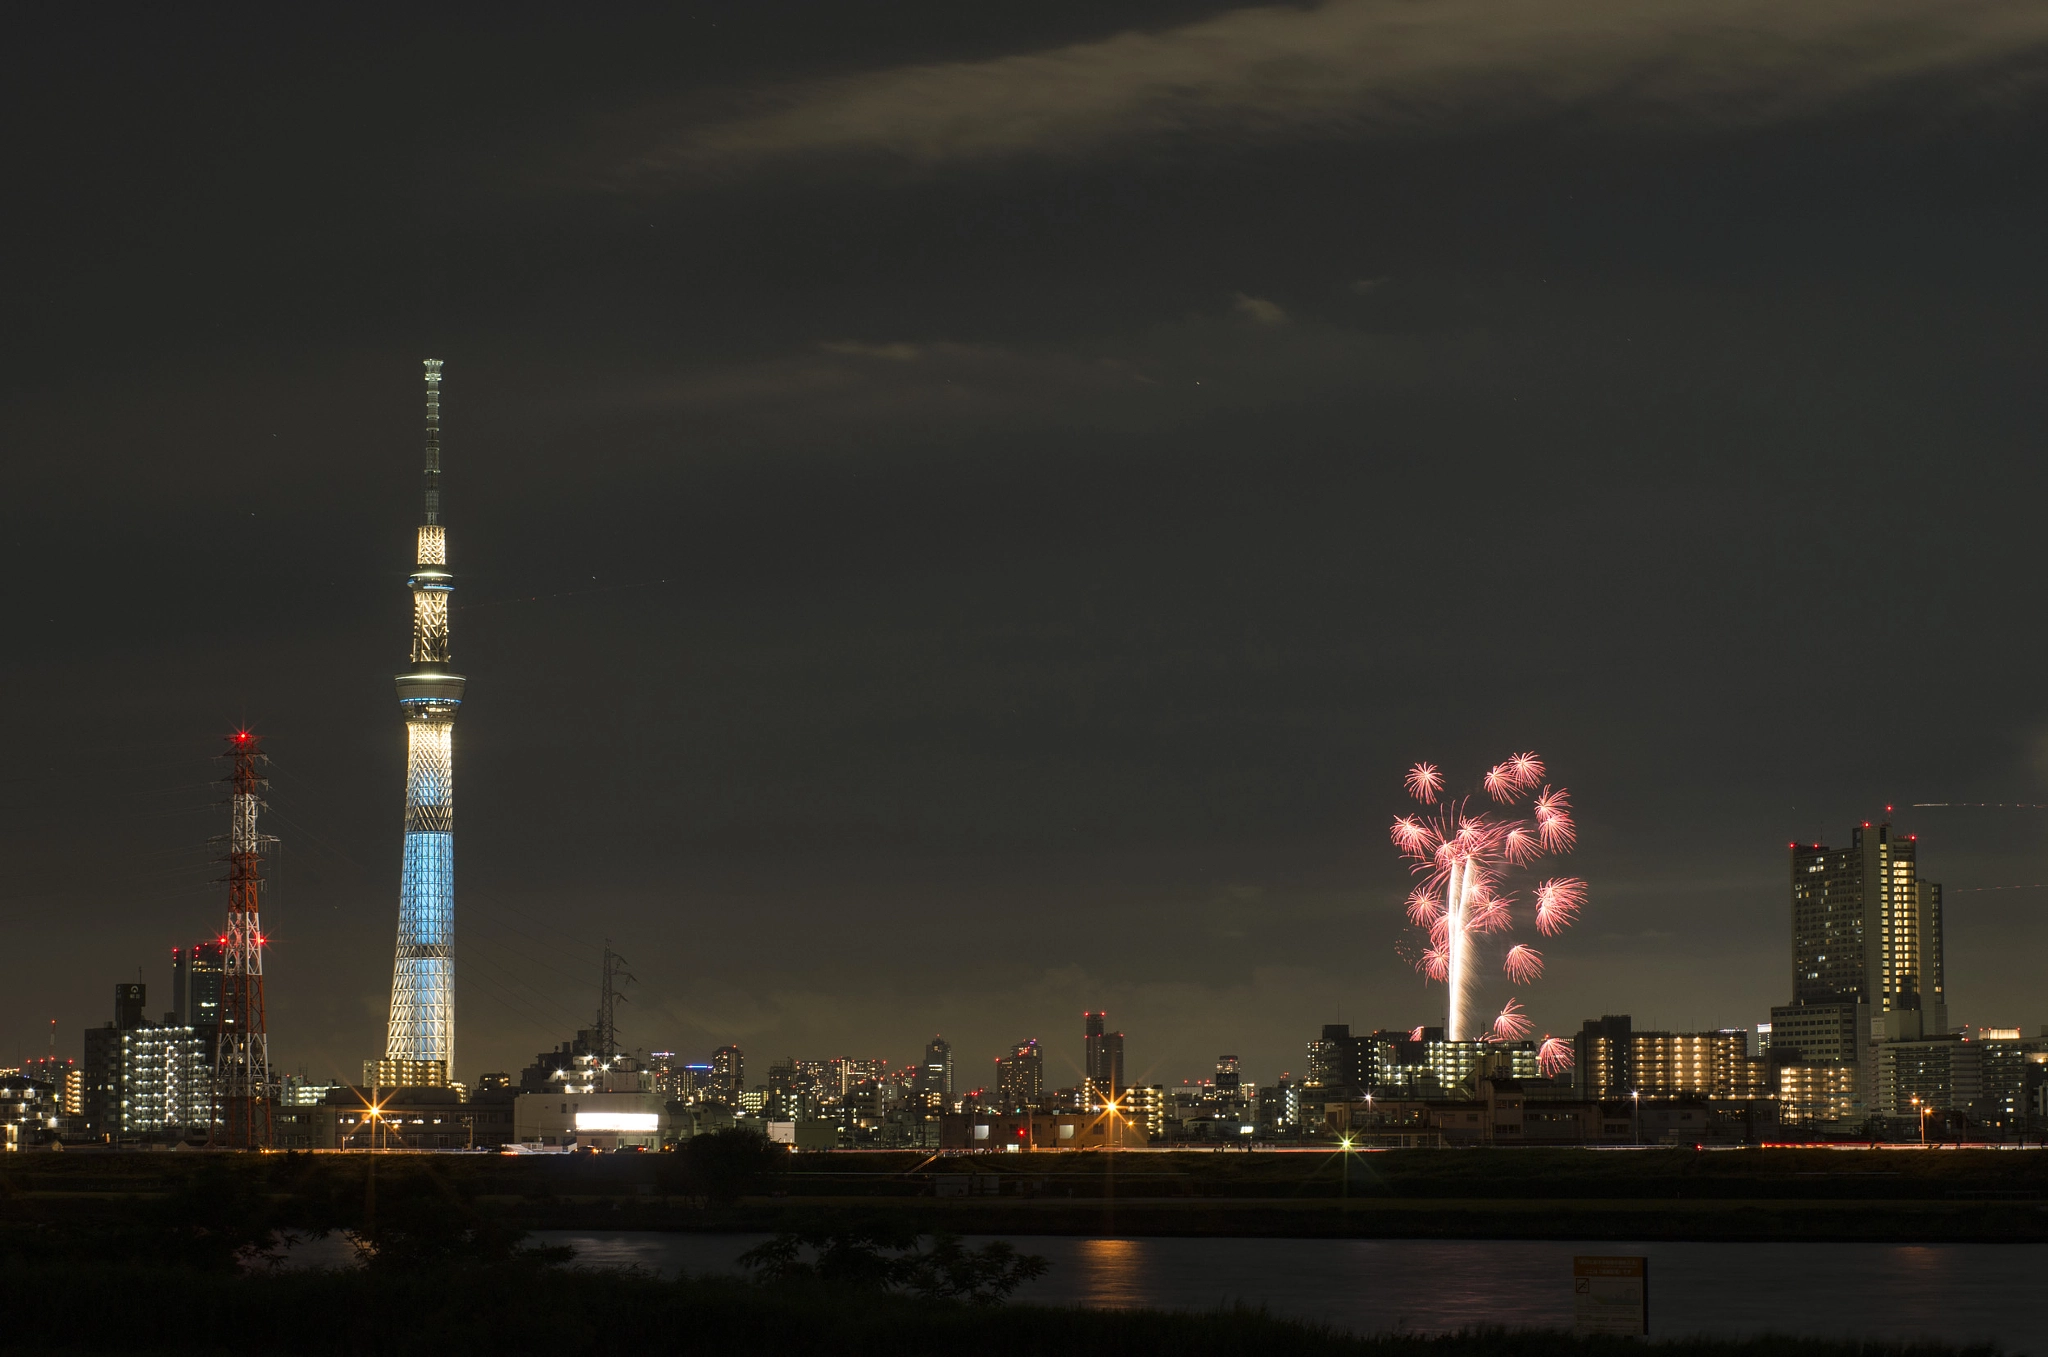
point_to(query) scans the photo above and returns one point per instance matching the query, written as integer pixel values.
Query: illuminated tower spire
(422, 1026)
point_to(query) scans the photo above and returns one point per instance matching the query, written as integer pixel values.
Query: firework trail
(1464, 857)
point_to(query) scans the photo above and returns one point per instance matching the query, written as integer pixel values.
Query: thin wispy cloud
(1365, 68)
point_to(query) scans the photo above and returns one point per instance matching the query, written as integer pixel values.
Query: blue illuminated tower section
(422, 1024)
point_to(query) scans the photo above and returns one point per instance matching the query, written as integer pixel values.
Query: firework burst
(1512, 1024)
(1554, 1056)
(1464, 857)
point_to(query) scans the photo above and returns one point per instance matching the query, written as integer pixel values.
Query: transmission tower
(241, 1115)
(609, 995)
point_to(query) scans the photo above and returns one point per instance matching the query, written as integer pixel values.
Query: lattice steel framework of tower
(242, 1095)
(422, 1025)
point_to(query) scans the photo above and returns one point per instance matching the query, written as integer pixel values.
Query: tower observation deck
(422, 1025)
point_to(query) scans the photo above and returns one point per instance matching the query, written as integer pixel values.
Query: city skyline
(1072, 1067)
(1829, 1014)
(948, 583)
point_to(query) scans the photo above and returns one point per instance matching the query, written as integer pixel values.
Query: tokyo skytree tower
(422, 1024)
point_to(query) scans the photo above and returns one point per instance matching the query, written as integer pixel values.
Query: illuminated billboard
(645, 1123)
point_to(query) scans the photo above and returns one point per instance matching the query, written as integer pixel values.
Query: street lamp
(1636, 1098)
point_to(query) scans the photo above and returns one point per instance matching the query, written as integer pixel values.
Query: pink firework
(1465, 856)
(1554, 820)
(1493, 914)
(1511, 1025)
(1424, 782)
(1555, 1056)
(1416, 1035)
(1518, 775)
(1557, 904)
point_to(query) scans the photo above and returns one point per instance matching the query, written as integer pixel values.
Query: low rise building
(431, 1117)
(627, 1119)
(1039, 1131)
(31, 1113)
(1506, 1114)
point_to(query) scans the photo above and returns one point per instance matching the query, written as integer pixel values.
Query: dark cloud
(1368, 69)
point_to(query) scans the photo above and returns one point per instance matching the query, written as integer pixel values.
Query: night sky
(963, 513)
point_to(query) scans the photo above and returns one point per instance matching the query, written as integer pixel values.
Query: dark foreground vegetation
(188, 1260)
(509, 1309)
(738, 1182)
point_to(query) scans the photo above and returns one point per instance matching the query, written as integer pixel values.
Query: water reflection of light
(1110, 1271)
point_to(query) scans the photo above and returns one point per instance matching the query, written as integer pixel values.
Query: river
(1953, 1292)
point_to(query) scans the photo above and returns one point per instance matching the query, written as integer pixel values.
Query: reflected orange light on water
(1110, 1274)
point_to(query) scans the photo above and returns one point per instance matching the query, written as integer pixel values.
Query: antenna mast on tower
(241, 1115)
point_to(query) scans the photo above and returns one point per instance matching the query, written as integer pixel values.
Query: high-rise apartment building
(1340, 1064)
(1102, 1054)
(1866, 929)
(1020, 1077)
(1810, 1093)
(1938, 1074)
(1602, 1059)
(2012, 1071)
(1867, 961)
(142, 1079)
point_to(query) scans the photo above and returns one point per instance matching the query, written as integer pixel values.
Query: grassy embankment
(1652, 1194)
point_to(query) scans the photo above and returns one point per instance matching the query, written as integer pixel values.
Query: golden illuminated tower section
(422, 1026)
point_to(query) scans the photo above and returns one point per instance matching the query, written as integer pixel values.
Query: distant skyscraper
(1867, 962)
(1866, 929)
(1227, 1080)
(935, 1075)
(1020, 1077)
(422, 1025)
(195, 986)
(728, 1075)
(1102, 1055)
